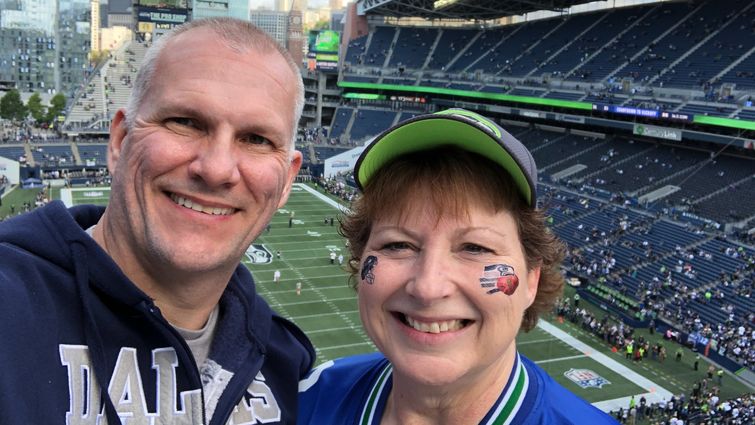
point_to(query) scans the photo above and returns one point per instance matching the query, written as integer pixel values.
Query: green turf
(14, 198)
(619, 386)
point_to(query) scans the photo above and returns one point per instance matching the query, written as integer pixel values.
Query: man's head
(203, 155)
(235, 34)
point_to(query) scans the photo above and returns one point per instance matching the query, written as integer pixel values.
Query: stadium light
(440, 4)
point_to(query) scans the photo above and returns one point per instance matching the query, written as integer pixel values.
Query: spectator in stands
(455, 259)
(149, 296)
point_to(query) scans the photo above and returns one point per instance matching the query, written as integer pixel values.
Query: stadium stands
(718, 50)
(482, 42)
(604, 27)
(341, 122)
(633, 175)
(674, 44)
(93, 152)
(53, 155)
(412, 47)
(450, 43)
(14, 152)
(552, 43)
(107, 90)
(630, 44)
(741, 73)
(379, 45)
(370, 122)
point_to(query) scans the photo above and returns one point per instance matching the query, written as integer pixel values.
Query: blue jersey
(354, 390)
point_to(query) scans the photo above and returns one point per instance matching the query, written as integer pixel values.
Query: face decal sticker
(499, 278)
(367, 269)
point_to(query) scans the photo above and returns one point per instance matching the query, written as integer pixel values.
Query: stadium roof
(460, 9)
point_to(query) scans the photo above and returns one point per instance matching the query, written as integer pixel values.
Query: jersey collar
(503, 412)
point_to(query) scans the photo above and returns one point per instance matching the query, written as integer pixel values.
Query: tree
(322, 25)
(99, 57)
(57, 106)
(11, 106)
(35, 107)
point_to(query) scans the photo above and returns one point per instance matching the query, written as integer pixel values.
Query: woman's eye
(395, 246)
(475, 249)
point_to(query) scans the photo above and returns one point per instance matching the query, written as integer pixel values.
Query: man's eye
(182, 121)
(256, 139)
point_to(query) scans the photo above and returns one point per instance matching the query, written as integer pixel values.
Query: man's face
(208, 160)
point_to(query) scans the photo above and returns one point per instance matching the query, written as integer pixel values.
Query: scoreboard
(642, 112)
(157, 16)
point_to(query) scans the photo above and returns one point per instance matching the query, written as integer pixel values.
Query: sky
(270, 4)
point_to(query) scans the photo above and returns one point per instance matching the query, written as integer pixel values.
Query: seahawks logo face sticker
(259, 254)
(367, 269)
(499, 278)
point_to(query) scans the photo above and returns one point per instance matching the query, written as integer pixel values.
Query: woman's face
(443, 299)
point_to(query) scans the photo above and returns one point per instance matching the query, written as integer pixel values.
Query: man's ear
(118, 132)
(293, 170)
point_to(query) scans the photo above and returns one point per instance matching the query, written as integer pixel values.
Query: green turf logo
(259, 254)
(586, 378)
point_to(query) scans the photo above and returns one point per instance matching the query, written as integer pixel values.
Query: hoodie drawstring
(92, 335)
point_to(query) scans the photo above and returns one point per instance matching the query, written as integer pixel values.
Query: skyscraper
(273, 23)
(209, 8)
(44, 44)
(286, 5)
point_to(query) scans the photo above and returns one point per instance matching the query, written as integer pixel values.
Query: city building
(272, 22)
(94, 36)
(120, 13)
(210, 8)
(44, 44)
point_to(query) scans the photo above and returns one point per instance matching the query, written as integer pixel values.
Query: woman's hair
(448, 180)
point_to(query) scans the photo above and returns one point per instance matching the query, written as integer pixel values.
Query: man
(142, 312)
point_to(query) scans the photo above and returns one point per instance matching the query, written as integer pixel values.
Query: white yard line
(322, 197)
(65, 196)
(559, 359)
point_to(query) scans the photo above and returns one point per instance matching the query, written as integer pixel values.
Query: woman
(451, 259)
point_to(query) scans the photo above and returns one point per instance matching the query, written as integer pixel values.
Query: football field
(326, 308)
